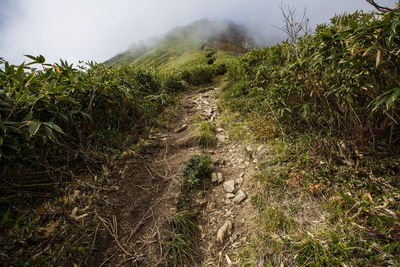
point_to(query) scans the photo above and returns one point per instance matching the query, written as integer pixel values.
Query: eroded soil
(135, 217)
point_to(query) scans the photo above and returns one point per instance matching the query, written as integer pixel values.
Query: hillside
(178, 45)
(198, 149)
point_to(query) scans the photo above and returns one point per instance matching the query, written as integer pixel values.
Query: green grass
(312, 209)
(310, 214)
(181, 242)
(180, 60)
(207, 132)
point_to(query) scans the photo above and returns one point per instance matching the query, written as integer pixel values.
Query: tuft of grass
(196, 171)
(207, 132)
(186, 224)
(182, 240)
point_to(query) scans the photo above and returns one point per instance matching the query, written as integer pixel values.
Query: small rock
(242, 175)
(220, 130)
(240, 161)
(181, 129)
(214, 177)
(230, 195)
(211, 205)
(249, 149)
(247, 164)
(236, 244)
(228, 260)
(260, 147)
(229, 186)
(239, 181)
(74, 212)
(201, 202)
(240, 196)
(221, 138)
(224, 231)
(220, 178)
(76, 195)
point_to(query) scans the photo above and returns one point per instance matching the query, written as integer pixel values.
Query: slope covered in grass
(193, 54)
(328, 108)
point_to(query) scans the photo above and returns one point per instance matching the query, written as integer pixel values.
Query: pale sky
(99, 29)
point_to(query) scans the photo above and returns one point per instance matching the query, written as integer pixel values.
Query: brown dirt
(134, 219)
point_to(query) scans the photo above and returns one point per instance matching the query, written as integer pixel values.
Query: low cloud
(99, 29)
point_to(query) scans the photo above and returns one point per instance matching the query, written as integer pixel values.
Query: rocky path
(226, 212)
(134, 219)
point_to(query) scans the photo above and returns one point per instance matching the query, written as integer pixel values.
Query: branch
(383, 8)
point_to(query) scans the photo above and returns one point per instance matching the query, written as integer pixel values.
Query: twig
(149, 171)
(109, 258)
(382, 8)
(154, 171)
(141, 187)
(158, 231)
(112, 229)
(94, 240)
(165, 159)
(223, 249)
(142, 220)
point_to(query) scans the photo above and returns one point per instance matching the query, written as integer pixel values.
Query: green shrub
(198, 75)
(196, 171)
(342, 83)
(50, 116)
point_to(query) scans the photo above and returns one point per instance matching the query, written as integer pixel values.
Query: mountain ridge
(220, 35)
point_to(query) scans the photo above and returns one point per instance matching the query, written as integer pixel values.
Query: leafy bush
(343, 82)
(198, 75)
(52, 115)
(197, 171)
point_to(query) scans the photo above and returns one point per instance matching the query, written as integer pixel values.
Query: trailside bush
(344, 81)
(197, 171)
(50, 116)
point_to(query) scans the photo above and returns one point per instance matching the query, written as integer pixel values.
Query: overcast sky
(98, 29)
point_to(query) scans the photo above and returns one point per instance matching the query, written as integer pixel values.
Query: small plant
(197, 171)
(207, 134)
(186, 223)
(182, 239)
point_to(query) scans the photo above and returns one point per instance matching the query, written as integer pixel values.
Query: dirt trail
(134, 218)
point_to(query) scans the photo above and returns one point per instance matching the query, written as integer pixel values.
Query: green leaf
(54, 127)
(5, 218)
(50, 134)
(41, 59)
(20, 218)
(352, 23)
(28, 117)
(388, 98)
(31, 57)
(33, 127)
(84, 114)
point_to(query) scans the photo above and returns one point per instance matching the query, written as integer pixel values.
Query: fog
(99, 29)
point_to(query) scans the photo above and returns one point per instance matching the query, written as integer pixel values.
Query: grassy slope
(317, 205)
(174, 54)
